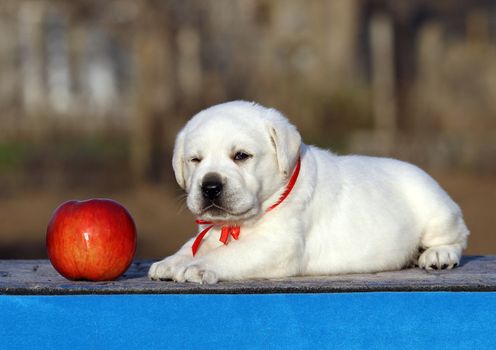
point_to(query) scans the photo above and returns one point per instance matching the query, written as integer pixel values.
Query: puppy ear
(286, 141)
(178, 160)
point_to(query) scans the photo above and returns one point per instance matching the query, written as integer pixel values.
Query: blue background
(411, 320)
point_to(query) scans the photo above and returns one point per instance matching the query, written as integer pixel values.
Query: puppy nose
(211, 186)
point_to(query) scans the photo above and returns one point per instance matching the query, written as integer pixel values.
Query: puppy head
(233, 158)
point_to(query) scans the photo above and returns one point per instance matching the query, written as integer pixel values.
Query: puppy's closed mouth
(214, 208)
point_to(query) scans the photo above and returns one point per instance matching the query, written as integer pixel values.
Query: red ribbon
(234, 230)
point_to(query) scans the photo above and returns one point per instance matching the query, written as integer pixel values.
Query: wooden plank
(37, 277)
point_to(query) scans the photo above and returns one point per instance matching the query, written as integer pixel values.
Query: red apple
(91, 240)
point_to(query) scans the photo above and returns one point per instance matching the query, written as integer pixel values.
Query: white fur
(346, 214)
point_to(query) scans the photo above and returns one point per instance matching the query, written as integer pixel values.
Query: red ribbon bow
(234, 230)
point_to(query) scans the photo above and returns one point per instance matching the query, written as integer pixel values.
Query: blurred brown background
(93, 92)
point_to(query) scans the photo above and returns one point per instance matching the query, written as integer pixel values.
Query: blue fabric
(269, 321)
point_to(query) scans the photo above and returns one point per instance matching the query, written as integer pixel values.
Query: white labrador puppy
(331, 214)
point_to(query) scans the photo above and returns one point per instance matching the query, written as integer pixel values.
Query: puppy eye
(195, 160)
(241, 156)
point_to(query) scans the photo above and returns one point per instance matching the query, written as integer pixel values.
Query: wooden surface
(31, 277)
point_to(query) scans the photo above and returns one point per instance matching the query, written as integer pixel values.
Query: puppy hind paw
(439, 258)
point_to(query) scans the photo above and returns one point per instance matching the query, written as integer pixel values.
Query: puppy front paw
(198, 274)
(160, 270)
(168, 269)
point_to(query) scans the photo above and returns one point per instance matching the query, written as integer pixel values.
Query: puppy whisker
(181, 201)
